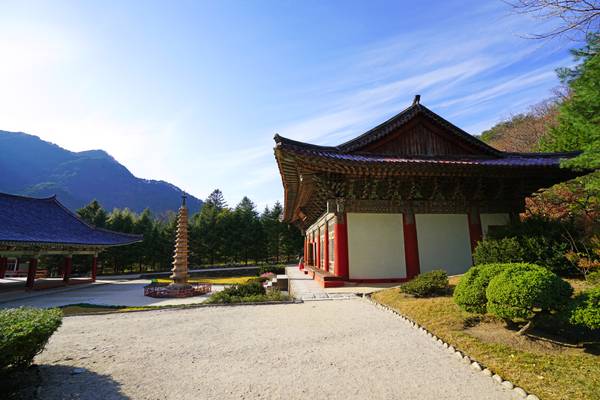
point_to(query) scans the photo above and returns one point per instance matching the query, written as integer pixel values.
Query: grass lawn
(547, 370)
(85, 309)
(236, 280)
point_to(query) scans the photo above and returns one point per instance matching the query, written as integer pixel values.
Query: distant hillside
(33, 167)
(523, 132)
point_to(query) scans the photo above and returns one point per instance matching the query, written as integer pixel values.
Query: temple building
(413, 194)
(31, 228)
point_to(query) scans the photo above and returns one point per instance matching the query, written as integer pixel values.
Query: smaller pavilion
(33, 227)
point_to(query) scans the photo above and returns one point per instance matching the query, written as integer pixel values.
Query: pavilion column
(306, 247)
(318, 238)
(31, 273)
(475, 231)
(340, 246)
(411, 245)
(3, 266)
(315, 251)
(94, 267)
(326, 247)
(67, 269)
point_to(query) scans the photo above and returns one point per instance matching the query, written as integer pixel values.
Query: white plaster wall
(493, 219)
(444, 242)
(376, 246)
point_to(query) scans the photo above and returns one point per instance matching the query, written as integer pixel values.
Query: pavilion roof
(27, 220)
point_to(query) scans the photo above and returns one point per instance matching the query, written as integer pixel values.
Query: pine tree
(93, 214)
(578, 125)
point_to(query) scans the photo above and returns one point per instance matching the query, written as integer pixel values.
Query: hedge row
(23, 334)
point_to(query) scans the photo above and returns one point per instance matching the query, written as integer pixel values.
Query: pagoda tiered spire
(180, 258)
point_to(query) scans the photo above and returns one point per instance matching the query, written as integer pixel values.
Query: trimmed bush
(247, 293)
(535, 240)
(586, 309)
(469, 294)
(498, 251)
(521, 292)
(23, 334)
(593, 278)
(427, 284)
(275, 269)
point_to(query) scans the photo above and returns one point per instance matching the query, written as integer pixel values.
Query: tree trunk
(525, 328)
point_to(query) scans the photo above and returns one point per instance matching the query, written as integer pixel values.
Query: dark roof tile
(31, 220)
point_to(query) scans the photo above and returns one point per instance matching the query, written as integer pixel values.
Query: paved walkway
(114, 293)
(304, 288)
(314, 350)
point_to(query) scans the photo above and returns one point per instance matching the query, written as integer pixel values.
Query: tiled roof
(402, 118)
(503, 159)
(31, 220)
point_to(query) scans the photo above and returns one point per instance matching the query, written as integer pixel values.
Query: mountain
(33, 167)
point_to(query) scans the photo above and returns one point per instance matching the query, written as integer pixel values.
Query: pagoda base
(162, 290)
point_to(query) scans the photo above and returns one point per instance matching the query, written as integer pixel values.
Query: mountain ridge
(31, 166)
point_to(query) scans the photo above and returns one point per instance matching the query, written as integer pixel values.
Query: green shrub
(246, 289)
(247, 293)
(469, 294)
(521, 292)
(23, 333)
(585, 310)
(535, 240)
(498, 251)
(427, 284)
(276, 269)
(593, 278)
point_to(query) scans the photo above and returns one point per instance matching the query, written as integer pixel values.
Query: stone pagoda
(180, 258)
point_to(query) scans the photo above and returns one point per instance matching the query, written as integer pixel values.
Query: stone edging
(458, 354)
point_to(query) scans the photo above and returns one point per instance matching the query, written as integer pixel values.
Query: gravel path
(321, 350)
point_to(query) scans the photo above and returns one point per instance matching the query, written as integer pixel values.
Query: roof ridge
(19, 196)
(280, 140)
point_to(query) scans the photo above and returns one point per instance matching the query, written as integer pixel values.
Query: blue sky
(192, 92)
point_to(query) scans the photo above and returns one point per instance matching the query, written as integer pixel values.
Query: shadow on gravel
(59, 382)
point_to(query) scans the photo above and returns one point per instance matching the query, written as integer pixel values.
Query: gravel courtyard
(336, 349)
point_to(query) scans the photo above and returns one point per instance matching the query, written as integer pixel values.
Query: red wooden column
(305, 249)
(31, 273)
(318, 238)
(3, 266)
(326, 248)
(475, 232)
(411, 245)
(67, 268)
(94, 267)
(340, 247)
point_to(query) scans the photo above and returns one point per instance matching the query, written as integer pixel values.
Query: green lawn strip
(71, 310)
(236, 280)
(570, 373)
